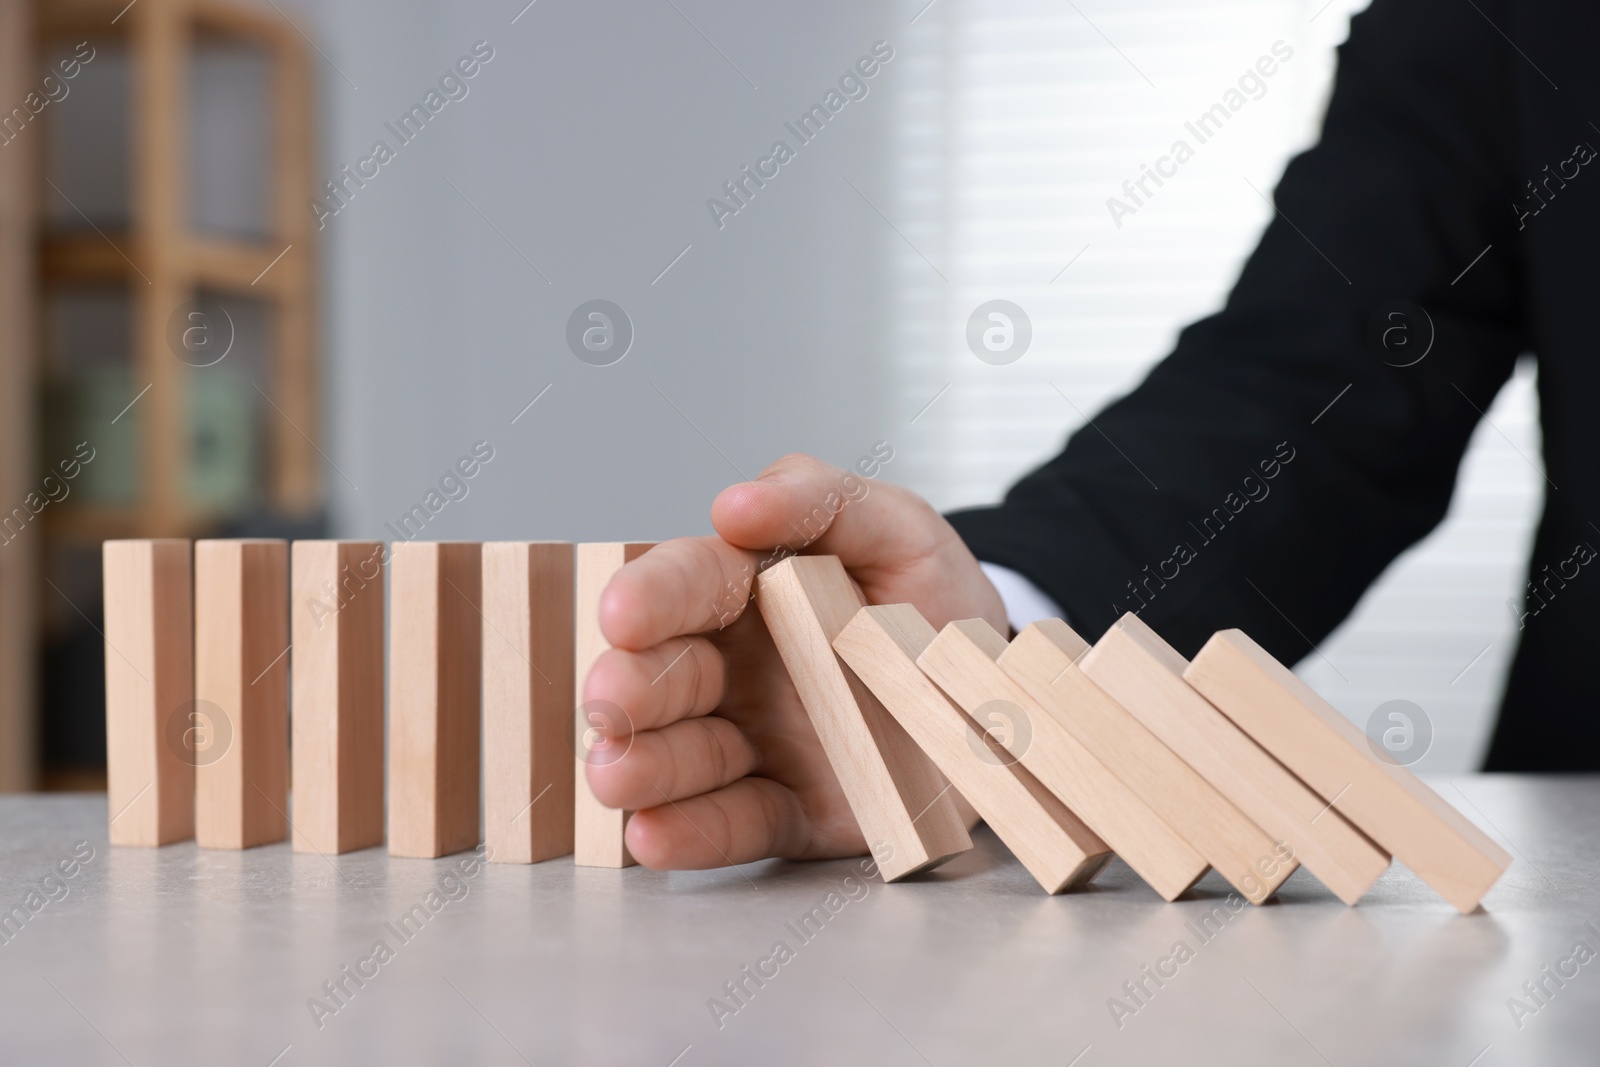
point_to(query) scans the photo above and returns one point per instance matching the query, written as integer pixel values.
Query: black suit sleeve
(1224, 491)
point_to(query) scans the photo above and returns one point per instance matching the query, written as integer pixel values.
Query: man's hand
(722, 765)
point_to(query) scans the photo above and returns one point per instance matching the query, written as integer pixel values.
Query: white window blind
(1017, 121)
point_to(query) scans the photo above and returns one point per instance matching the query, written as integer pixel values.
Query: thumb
(804, 504)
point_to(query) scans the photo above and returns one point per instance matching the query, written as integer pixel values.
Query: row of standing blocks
(1229, 762)
(485, 645)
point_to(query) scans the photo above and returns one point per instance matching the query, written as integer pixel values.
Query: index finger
(685, 586)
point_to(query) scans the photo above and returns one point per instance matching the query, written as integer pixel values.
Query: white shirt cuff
(1024, 601)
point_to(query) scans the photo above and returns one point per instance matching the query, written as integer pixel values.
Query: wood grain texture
(435, 630)
(1331, 755)
(1144, 674)
(336, 746)
(881, 645)
(1043, 660)
(241, 690)
(897, 795)
(962, 662)
(597, 830)
(149, 636)
(528, 697)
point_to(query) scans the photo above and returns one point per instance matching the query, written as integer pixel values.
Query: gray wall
(591, 142)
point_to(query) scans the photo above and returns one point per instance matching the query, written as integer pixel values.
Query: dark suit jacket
(1453, 127)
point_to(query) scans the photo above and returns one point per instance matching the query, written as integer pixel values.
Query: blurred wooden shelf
(115, 256)
(72, 780)
(157, 257)
(92, 524)
(80, 19)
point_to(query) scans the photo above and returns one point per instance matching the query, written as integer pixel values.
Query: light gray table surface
(177, 956)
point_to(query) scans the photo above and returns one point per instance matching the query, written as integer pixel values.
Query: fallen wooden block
(1330, 754)
(597, 830)
(962, 661)
(434, 638)
(241, 684)
(149, 637)
(1144, 674)
(528, 700)
(881, 644)
(336, 732)
(1043, 660)
(898, 796)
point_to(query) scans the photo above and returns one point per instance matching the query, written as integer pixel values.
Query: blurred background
(226, 310)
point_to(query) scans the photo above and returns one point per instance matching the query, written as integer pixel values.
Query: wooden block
(528, 699)
(597, 829)
(898, 796)
(1330, 754)
(149, 690)
(881, 645)
(1145, 675)
(336, 730)
(434, 640)
(962, 661)
(241, 684)
(1042, 659)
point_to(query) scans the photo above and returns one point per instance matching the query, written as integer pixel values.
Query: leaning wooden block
(1144, 674)
(962, 661)
(899, 798)
(597, 830)
(149, 691)
(434, 638)
(1330, 754)
(241, 690)
(881, 644)
(527, 700)
(336, 732)
(1043, 658)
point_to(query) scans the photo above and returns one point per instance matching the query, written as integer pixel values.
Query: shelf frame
(160, 261)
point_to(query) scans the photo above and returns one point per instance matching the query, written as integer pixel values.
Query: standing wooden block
(1331, 755)
(241, 685)
(1043, 660)
(434, 639)
(597, 829)
(962, 661)
(898, 796)
(149, 690)
(1145, 675)
(528, 699)
(881, 644)
(336, 620)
